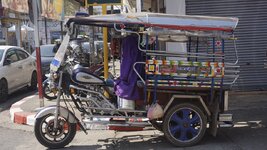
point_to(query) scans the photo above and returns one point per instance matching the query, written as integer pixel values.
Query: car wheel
(3, 90)
(33, 85)
(184, 125)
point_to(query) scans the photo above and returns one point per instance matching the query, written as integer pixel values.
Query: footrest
(225, 117)
(225, 120)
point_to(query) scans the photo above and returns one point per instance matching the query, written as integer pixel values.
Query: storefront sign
(52, 9)
(100, 2)
(71, 7)
(20, 6)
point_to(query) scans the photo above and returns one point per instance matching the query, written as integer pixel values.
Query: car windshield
(1, 54)
(46, 51)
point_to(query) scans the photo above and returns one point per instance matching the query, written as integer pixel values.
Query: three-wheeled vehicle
(180, 89)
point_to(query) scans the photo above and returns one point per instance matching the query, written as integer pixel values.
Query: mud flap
(214, 119)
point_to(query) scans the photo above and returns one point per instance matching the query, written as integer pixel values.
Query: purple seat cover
(125, 85)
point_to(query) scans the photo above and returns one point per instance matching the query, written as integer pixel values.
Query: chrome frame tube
(58, 100)
(137, 72)
(100, 94)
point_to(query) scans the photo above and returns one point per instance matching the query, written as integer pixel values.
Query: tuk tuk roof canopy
(159, 20)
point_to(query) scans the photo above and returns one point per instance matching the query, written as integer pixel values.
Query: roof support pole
(105, 46)
(138, 6)
(38, 56)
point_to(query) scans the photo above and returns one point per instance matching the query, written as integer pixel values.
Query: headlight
(54, 75)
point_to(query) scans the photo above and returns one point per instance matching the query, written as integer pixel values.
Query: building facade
(251, 34)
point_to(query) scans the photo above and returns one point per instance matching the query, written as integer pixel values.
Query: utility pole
(45, 23)
(37, 48)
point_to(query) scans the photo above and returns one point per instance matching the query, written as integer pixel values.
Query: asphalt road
(249, 133)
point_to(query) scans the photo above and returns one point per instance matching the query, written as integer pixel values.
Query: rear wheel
(184, 125)
(52, 137)
(3, 90)
(48, 93)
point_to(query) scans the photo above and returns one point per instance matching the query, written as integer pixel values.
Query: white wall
(175, 7)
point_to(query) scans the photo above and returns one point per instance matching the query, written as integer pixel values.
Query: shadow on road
(236, 138)
(140, 142)
(249, 132)
(14, 97)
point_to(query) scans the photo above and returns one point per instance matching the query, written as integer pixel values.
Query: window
(46, 51)
(22, 55)
(12, 56)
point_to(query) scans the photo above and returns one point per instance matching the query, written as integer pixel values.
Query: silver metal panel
(251, 36)
(164, 21)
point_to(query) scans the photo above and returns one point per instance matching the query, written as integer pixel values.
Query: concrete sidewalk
(23, 111)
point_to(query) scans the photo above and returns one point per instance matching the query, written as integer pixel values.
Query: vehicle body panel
(17, 74)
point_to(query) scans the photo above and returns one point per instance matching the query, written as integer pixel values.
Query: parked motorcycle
(86, 90)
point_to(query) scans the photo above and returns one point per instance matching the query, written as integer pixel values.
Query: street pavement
(249, 132)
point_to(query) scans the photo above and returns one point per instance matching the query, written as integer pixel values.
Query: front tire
(3, 90)
(50, 137)
(184, 125)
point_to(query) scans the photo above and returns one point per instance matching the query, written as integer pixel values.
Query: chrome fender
(62, 112)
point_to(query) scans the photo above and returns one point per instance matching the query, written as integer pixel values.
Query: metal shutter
(251, 33)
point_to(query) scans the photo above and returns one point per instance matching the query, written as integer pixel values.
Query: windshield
(1, 54)
(46, 51)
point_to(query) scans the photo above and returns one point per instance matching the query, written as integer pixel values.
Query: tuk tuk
(174, 75)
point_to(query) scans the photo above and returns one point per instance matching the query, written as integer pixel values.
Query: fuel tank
(82, 75)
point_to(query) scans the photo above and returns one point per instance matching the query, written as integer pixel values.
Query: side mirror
(55, 48)
(7, 61)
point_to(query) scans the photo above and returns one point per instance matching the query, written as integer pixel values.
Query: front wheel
(52, 137)
(184, 125)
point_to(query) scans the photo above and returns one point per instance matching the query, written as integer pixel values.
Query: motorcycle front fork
(58, 100)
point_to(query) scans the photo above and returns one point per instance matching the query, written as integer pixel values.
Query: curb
(18, 116)
(240, 93)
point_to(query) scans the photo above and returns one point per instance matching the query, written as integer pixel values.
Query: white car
(17, 70)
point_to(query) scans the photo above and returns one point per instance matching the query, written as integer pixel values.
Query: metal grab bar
(231, 83)
(187, 33)
(144, 50)
(137, 72)
(188, 55)
(158, 51)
